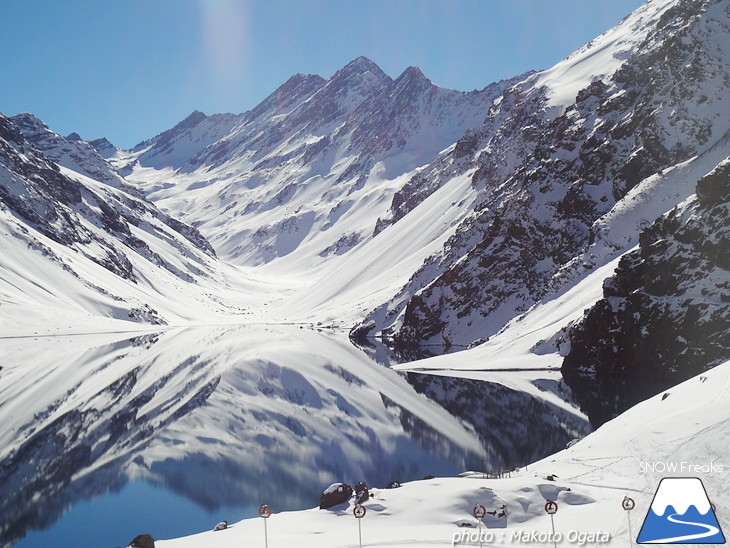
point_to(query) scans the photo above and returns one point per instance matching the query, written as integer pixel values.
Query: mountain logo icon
(681, 513)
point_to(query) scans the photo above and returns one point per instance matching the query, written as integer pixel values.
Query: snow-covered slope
(78, 253)
(588, 481)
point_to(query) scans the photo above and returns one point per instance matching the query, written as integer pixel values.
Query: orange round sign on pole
(551, 507)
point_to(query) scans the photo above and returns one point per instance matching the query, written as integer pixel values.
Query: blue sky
(128, 69)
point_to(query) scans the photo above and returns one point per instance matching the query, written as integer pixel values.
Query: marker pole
(551, 507)
(631, 535)
(359, 511)
(552, 521)
(628, 504)
(479, 512)
(265, 513)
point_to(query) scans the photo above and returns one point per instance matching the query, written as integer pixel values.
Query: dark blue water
(107, 519)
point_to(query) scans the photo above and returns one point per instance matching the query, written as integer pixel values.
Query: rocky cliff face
(547, 171)
(666, 309)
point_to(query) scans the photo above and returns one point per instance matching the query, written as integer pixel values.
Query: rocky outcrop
(666, 310)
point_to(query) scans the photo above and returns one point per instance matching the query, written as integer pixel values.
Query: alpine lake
(105, 437)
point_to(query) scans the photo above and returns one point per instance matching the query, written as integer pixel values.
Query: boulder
(142, 541)
(362, 494)
(335, 494)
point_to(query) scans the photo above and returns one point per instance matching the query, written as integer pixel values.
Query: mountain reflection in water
(233, 416)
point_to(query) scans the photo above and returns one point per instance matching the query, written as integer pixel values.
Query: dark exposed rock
(334, 495)
(143, 541)
(665, 310)
(362, 493)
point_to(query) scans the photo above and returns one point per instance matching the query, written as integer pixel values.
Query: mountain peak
(413, 72)
(26, 120)
(411, 83)
(413, 76)
(360, 67)
(193, 119)
(363, 64)
(104, 147)
(288, 94)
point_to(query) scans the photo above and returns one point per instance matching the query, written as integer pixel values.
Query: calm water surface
(107, 437)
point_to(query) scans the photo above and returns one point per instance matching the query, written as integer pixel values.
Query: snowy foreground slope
(687, 428)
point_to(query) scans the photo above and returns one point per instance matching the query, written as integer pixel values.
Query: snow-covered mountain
(518, 190)
(307, 172)
(71, 152)
(174, 147)
(555, 164)
(80, 246)
(575, 217)
(426, 215)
